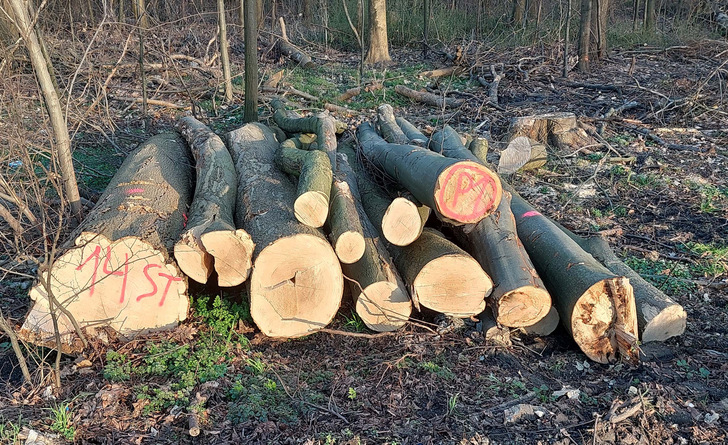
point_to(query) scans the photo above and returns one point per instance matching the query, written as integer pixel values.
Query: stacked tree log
(294, 214)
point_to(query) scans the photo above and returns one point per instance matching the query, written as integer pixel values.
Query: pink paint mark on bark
(133, 191)
(531, 213)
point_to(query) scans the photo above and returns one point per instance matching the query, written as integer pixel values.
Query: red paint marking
(132, 191)
(466, 182)
(170, 279)
(95, 255)
(184, 215)
(530, 213)
(154, 285)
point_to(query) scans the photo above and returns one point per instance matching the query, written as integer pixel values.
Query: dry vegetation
(656, 185)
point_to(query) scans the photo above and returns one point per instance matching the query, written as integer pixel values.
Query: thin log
(387, 126)
(546, 326)
(323, 125)
(347, 233)
(479, 147)
(381, 297)
(519, 297)
(440, 275)
(413, 134)
(460, 192)
(296, 285)
(596, 306)
(353, 92)
(429, 98)
(442, 72)
(210, 238)
(10, 333)
(659, 317)
(11, 220)
(313, 169)
(116, 269)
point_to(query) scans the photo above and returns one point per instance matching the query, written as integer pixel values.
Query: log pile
(295, 213)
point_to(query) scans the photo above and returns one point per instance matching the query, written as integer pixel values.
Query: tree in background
(251, 61)
(378, 44)
(592, 43)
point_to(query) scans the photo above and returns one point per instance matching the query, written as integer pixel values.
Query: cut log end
(595, 320)
(402, 223)
(545, 326)
(467, 192)
(454, 285)
(296, 286)
(384, 306)
(350, 247)
(669, 322)
(312, 208)
(194, 261)
(524, 306)
(232, 251)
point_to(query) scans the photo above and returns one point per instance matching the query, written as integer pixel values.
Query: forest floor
(663, 201)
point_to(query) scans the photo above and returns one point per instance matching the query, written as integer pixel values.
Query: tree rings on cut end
(524, 306)
(296, 286)
(467, 192)
(453, 285)
(669, 322)
(402, 223)
(350, 247)
(192, 258)
(384, 306)
(312, 208)
(232, 251)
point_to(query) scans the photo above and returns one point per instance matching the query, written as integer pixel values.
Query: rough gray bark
(211, 239)
(251, 61)
(323, 125)
(414, 135)
(116, 267)
(378, 52)
(296, 285)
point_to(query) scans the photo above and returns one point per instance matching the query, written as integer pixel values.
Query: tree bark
(210, 236)
(116, 269)
(650, 15)
(251, 61)
(53, 106)
(659, 317)
(519, 297)
(347, 233)
(429, 98)
(313, 169)
(414, 136)
(440, 275)
(224, 51)
(295, 53)
(378, 52)
(322, 124)
(596, 306)
(387, 126)
(584, 35)
(296, 285)
(460, 192)
(559, 130)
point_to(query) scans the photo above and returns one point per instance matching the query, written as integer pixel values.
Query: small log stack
(309, 214)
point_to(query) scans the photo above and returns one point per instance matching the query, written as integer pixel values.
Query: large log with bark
(116, 270)
(439, 274)
(596, 306)
(414, 135)
(296, 285)
(519, 296)
(381, 297)
(210, 237)
(460, 192)
(659, 317)
(313, 169)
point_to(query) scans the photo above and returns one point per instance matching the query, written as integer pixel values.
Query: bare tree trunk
(141, 13)
(224, 52)
(601, 28)
(425, 27)
(53, 105)
(251, 61)
(565, 72)
(635, 14)
(378, 42)
(650, 15)
(584, 30)
(519, 10)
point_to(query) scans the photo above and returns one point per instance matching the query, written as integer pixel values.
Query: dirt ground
(659, 191)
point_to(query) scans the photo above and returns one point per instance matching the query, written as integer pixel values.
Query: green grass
(9, 431)
(671, 277)
(439, 370)
(62, 417)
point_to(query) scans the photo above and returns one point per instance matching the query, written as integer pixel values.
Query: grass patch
(441, 371)
(62, 417)
(671, 277)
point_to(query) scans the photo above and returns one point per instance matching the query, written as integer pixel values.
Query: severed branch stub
(313, 169)
(210, 237)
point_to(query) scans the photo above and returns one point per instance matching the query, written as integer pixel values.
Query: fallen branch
(429, 98)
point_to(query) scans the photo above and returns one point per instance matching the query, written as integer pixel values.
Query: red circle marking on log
(467, 179)
(531, 213)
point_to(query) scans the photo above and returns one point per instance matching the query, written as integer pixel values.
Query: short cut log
(414, 135)
(431, 99)
(210, 238)
(297, 284)
(560, 130)
(117, 270)
(345, 227)
(313, 169)
(460, 192)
